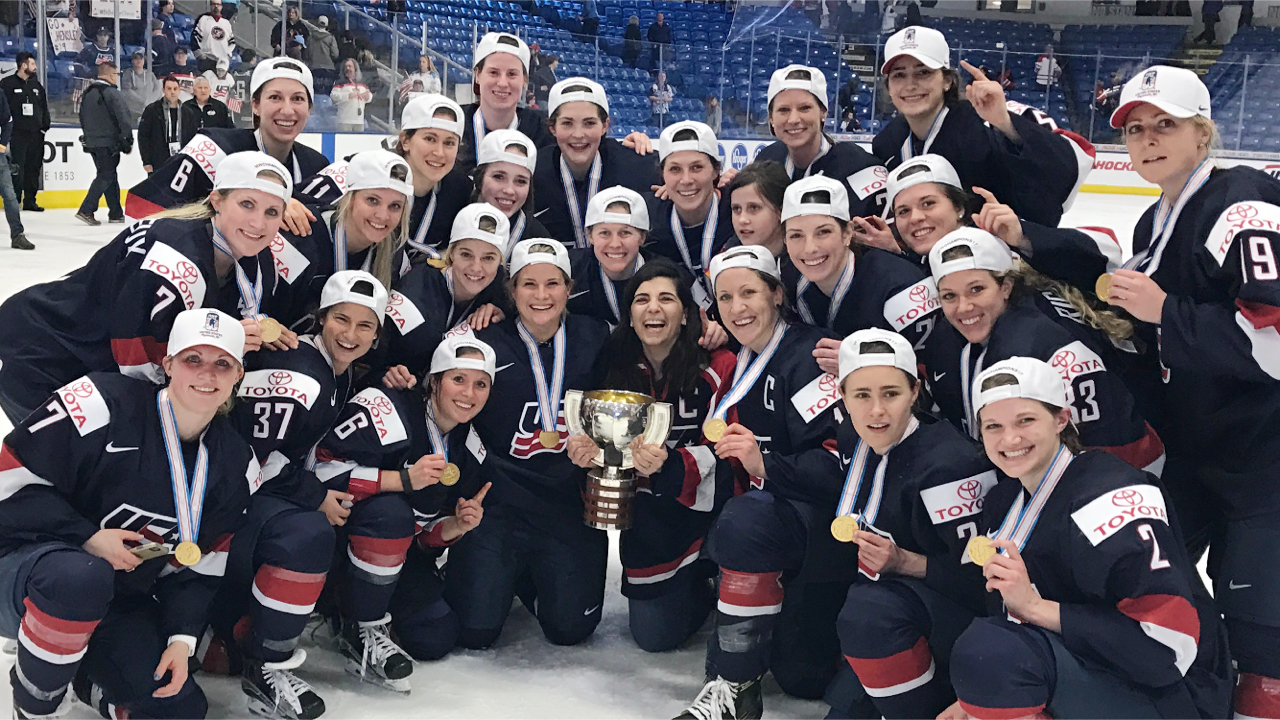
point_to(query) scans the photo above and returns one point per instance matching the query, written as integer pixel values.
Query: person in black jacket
(107, 133)
(29, 105)
(631, 40)
(166, 127)
(209, 111)
(19, 241)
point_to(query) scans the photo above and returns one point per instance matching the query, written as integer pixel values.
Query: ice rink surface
(523, 675)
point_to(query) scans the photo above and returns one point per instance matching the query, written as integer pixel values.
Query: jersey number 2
(1146, 533)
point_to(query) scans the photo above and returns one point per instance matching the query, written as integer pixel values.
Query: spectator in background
(631, 39)
(1005, 78)
(1246, 14)
(210, 113)
(139, 86)
(1048, 71)
(848, 95)
(164, 13)
(99, 51)
(543, 78)
(590, 19)
(185, 73)
(349, 43)
(241, 108)
(536, 58)
(426, 80)
(349, 96)
(29, 104)
(162, 49)
(715, 113)
(220, 81)
(660, 35)
(289, 30)
(167, 125)
(660, 97)
(324, 53)
(17, 239)
(107, 133)
(212, 37)
(230, 8)
(1209, 13)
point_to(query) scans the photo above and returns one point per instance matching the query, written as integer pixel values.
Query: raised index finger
(483, 491)
(986, 194)
(975, 72)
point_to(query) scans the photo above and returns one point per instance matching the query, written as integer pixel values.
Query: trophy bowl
(612, 419)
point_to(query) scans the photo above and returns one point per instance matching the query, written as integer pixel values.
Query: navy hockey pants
(664, 622)
(425, 625)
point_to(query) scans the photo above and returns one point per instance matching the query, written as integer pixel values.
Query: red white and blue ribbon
(1148, 261)
(791, 166)
(517, 232)
(611, 294)
(966, 387)
(934, 129)
(419, 240)
(549, 394)
(477, 124)
(188, 499)
(1021, 519)
(433, 431)
(749, 370)
(297, 168)
(704, 252)
(576, 213)
(858, 469)
(837, 295)
(250, 290)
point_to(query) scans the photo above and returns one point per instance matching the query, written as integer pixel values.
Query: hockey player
(1016, 152)
(912, 497)
(776, 428)
(1203, 282)
(430, 133)
(534, 524)
(994, 308)
(583, 160)
(655, 351)
(1099, 612)
(115, 313)
(797, 98)
(416, 470)
(503, 178)
(617, 227)
(120, 500)
(843, 287)
(281, 91)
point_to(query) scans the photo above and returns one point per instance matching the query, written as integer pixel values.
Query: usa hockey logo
(1149, 79)
(909, 38)
(152, 526)
(525, 443)
(212, 322)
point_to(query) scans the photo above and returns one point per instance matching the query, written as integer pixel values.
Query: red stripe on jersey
(1104, 230)
(719, 374)
(289, 586)
(1258, 696)
(137, 207)
(1141, 452)
(363, 488)
(1078, 141)
(434, 538)
(897, 669)
(692, 480)
(222, 544)
(55, 635)
(983, 713)
(131, 352)
(1259, 315)
(8, 460)
(750, 590)
(1167, 611)
(648, 572)
(383, 552)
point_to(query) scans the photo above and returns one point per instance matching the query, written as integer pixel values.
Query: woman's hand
(660, 191)
(288, 340)
(738, 442)
(881, 555)
(827, 353)
(398, 377)
(109, 544)
(252, 334)
(485, 315)
(336, 508)
(726, 176)
(467, 515)
(297, 218)
(648, 459)
(1138, 294)
(987, 97)
(873, 231)
(1007, 573)
(1000, 220)
(639, 142)
(427, 471)
(581, 450)
(713, 333)
(174, 661)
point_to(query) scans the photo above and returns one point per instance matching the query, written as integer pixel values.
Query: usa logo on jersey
(525, 444)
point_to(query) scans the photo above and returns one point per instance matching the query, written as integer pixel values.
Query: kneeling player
(1101, 614)
(93, 483)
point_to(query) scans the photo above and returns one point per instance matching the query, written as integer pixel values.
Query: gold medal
(269, 329)
(187, 553)
(1102, 288)
(980, 548)
(437, 263)
(549, 438)
(714, 429)
(450, 475)
(843, 528)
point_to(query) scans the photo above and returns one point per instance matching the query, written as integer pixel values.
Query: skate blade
(401, 686)
(259, 708)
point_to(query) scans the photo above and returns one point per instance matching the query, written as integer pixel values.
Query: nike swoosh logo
(938, 376)
(539, 213)
(846, 460)
(111, 448)
(504, 367)
(577, 294)
(591, 610)
(1233, 586)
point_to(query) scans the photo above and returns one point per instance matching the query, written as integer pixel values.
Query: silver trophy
(612, 419)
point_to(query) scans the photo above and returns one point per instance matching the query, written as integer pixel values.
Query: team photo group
(870, 422)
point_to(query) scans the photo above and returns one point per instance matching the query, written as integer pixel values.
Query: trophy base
(608, 499)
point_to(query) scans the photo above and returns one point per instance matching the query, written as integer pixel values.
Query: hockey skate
(373, 656)
(275, 692)
(724, 700)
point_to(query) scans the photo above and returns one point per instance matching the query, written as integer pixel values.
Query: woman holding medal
(775, 429)
(115, 313)
(1095, 608)
(415, 469)
(120, 501)
(504, 178)
(655, 351)
(912, 495)
(534, 524)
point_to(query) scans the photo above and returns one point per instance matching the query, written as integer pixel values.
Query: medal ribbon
(966, 388)
(708, 240)
(453, 303)
(419, 240)
(250, 291)
(546, 396)
(748, 371)
(571, 196)
(297, 169)
(188, 499)
(857, 470)
(791, 166)
(934, 129)
(611, 293)
(1148, 261)
(340, 246)
(433, 430)
(837, 295)
(1022, 516)
(477, 124)
(517, 232)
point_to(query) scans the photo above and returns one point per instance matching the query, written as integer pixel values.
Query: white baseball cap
(756, 257)
(597, 208)
(239, 171)
(986, 252)
(928, 168)
(222, 64)
(446, 358)
(1036, 380)
(1177, 91)
(539, 250)
(340, 288)
(379, 170)
(794, 206)
(421, 113)
(466, 226)
(496, 147)
(807, 78)
(572, 90)
(206, 326)
(704, 140)
(856, 354)
(924, 44)
(501, 42)
(281, 67)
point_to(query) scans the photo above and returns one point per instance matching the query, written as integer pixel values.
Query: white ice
(523, 675)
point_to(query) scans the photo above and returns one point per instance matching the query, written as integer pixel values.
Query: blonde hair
(203, 209)
(1205, 124)
(1025, 277)
(384, 252)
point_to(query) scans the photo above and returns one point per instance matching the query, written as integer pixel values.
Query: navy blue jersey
(618, 166)
(590, 294)
(114, 313)
(1075, 256)
(94, 457)
(1038, 177)
(189, 176)
(431, 217)
(1131, 602)
(533, 123)
(662, 240)
(863, 175)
